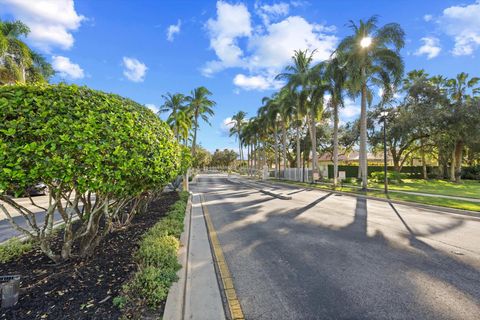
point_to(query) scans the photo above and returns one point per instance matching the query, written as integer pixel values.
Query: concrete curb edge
(175, 304)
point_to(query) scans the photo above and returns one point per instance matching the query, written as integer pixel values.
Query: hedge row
(87, 147)
(157, 260)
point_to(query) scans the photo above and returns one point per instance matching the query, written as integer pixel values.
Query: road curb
(429, 207)
(175, 304)
(226, 280)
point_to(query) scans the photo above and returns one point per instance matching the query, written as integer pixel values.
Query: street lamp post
(385, 178)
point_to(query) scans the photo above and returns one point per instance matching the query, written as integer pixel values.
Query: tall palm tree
(177, 118)
(458, 89)
(372, 57)
(18, 63)
(201, 106)
(299, 76)
(238, 121)
(336, 78)
(287, 102)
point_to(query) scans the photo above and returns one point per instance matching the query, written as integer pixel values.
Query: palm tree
(299, 76)
(287, 110)
(457, 89)
(372, 57)
(336, 78)
(238, 121)
(200, 106)
(17, 61)
(177, 118)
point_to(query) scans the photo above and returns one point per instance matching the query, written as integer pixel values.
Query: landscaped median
(128, 277)
(427, 199)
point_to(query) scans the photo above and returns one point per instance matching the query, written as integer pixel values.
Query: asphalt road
(325, 256)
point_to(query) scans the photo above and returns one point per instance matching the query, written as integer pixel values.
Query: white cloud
(226, 125)
(265, 49)
(271, 12)
(431, 47)
(172, 30)
(134, 69)
(349, 111)
(257, 82)
(427, 17)
(152, 107)
(50, 22)
(232, 22)
(66, 68)
(275, 49)
(463, 24)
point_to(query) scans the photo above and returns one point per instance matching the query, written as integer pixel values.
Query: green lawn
(450, 203)
(467, 188)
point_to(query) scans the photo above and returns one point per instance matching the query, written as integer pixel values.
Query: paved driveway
(325, 256)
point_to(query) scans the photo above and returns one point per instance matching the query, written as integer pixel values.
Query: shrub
(392, 176)
(349, 180)
(82, 144)
(157, 259)
(13, 248)
(472, 173)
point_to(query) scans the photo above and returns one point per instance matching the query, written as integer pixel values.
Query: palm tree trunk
(299, 162)
(284, 133)
(363, 134)
(194, 141)
(335, 145)
(276, 152)
(313, 137)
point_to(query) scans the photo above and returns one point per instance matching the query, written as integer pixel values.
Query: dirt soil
(81, 289)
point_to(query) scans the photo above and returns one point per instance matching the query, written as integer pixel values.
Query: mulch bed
(81, 289)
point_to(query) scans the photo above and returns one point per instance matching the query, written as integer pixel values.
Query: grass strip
(437, 201)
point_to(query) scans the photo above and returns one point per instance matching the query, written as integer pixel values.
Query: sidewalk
(196, 295)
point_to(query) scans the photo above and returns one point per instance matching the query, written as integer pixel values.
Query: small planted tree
(102, 157)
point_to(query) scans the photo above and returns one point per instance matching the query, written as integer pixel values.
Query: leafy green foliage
(13, 248)
(81, 141)
(392, 176)
(157, 258)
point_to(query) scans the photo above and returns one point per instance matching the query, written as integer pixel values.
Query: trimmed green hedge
(83, 142)
(157, 260)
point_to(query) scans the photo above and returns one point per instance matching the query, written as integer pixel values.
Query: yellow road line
(234, 306)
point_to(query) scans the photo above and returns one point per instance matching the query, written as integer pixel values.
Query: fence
(293, 174)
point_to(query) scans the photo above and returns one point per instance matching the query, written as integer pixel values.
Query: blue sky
(143, 49)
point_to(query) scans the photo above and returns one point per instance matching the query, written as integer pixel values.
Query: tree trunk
(335, 145)
(299, 161)
(284, 134)
(363, 135)
(458, 160)
(277, 161)
(194, 141)
(452, 166)
(313, 137)
(424, 162)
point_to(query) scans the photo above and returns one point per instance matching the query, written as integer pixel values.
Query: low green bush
(349, 180)
(157, 260)
(472, 173)
(13, 248)
(393, 177)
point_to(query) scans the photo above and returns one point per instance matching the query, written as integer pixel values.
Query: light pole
(385, 178)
